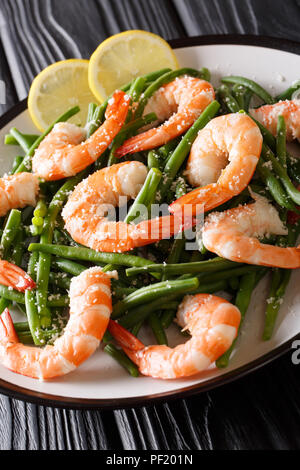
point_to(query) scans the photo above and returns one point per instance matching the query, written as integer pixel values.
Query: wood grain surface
(261, 411)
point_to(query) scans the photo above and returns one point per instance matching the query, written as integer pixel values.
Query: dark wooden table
(260, 411)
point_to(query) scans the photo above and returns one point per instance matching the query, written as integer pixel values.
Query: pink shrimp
(90, 309)
(222, 161)
(233, 235)
(213, 323)
(181, 102)
(85, 212)
(64, 152)
(18, 190)
(289, 109)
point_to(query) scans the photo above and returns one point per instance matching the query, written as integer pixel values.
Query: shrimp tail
(128, 342)
(201, 199)
(124, 337)
(163, 227)
(7, 329)
(13, 276)
(138, 142)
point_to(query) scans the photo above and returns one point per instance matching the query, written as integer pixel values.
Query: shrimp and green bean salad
(89, 261)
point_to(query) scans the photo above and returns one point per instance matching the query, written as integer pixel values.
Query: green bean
(181, 188)
(24, 334)
(210, 287)
(287, 94)
(274, 185)
(91, 111)
(17, 161)
(211, 265)
(280, 280)
(162, 80)
(181, 152)
(156, 327)
(230, 102)
(10, 231)
(19, 297)
(122, 359)
(205, 74)
(145, 195)
(167, 318)
(41, 208)
(18, 247)
(152, 292)
(31, 307)
(9, 139)
(94, 121)
(87, 254)
(227, 274)
(274, 301)
(166, 149)
(22, 140)
(26, 164)
(135, 125)
(137, 88)
(68, 266)
(293, 193)
(141, 313)
(121, 292)
(251, 85)
(135, 330)
(154, 160)
(242, 301)
(175, 253)
(281, 141)
(233, 283)
(44, 262)
(238, 92)
(4, 303)
(60, 280)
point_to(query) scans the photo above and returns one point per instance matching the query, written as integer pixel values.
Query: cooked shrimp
(13, 276)
(90, 309)
(233, 235)
(64, 152)
(180, 102)
(269, 113)
(85, 212)
(17, 191)
(213, 323)
(233, 138)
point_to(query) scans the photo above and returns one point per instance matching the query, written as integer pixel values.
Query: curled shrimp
(90, 309)
(222, 161)
(18, 190)
(233, 234)
(64, 152)
(213, 323)
(180, 102)
(289, 109)
(86, 209)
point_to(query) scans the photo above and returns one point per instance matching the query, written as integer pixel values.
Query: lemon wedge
(56, 89)
(124, 56)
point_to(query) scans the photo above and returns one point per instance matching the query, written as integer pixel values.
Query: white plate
(101, 381)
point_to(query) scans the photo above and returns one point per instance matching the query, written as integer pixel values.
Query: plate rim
(57, 401)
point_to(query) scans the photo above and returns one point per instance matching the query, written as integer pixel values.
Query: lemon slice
(122, 57)
(56, 89)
